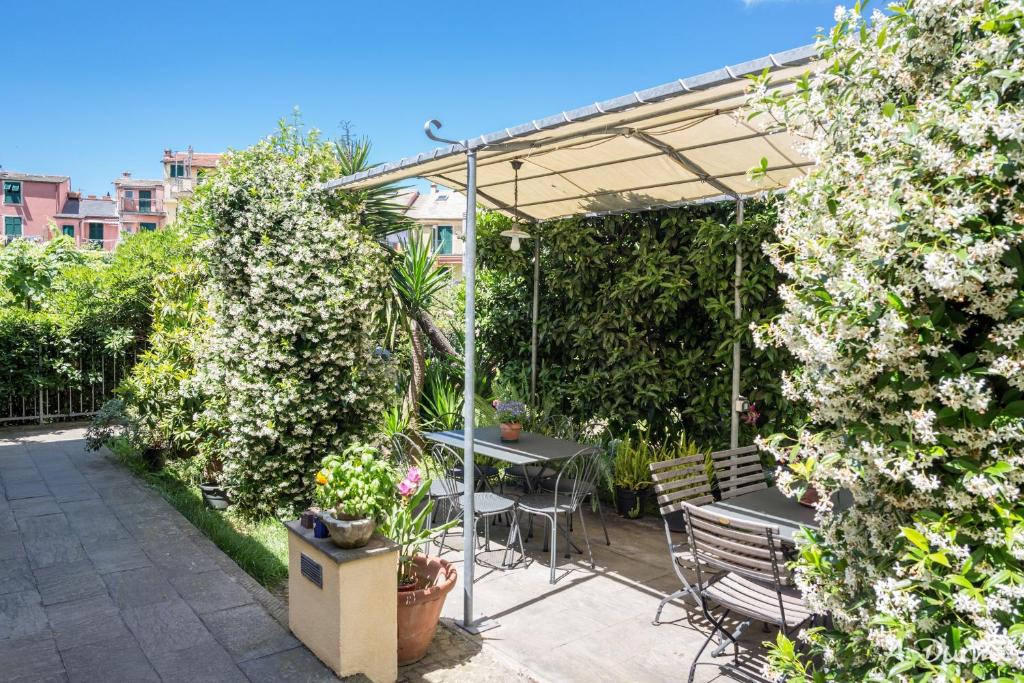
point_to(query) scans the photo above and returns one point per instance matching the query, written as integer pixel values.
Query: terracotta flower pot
(810, 497)
(510, 431)
(419, 610)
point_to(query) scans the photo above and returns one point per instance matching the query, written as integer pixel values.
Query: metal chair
(738, 471)
(485, 503)
(484, 472)
(406, 451)
(750, 579)
(581, 470)
(675, 482)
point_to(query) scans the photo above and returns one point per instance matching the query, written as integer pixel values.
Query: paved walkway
(102, 580)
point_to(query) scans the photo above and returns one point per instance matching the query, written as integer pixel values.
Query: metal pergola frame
(505, 145)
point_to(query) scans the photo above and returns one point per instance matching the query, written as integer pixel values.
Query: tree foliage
(904, 306)
(636, 316)
(295, 295)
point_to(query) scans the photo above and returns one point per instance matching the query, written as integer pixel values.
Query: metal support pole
(536, 309)
(737, 310)
(469, 393)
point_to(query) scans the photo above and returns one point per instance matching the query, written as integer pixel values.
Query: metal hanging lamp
(515, 233)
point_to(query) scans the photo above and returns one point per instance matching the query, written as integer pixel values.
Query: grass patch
(260, 547)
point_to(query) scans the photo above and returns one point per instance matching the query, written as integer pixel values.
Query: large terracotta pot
(419, 610)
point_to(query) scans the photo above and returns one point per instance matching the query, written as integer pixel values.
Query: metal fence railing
(90, 382)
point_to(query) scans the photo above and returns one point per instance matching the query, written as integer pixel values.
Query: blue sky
(95, 88)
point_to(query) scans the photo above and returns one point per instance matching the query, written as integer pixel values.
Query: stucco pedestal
(343, 604)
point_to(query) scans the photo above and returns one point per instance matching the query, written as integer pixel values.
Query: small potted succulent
(354, 489)
(423, 582)
(510, 416)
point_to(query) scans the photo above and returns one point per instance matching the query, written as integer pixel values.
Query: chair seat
(546, 502)
(487, 503)
(438, 489)
(757, 600)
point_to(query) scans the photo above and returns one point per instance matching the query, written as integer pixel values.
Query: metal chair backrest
(681, 480)
(558, 426)
(580, 474)
(406, 451)
(720, 543)
(738, 471)
(447, 469)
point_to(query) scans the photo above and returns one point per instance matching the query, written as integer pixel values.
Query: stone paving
(595, 624)
(102, 580)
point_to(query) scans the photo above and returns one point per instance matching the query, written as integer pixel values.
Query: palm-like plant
(374, 208)
(415, 281)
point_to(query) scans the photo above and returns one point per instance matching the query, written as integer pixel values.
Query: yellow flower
(321, 478)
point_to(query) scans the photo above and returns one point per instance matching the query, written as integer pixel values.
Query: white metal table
(530, 449)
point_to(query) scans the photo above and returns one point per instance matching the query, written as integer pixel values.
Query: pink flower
(405, 488)
(413, 475)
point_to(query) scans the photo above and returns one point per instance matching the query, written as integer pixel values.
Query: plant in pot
(631, 475)
(510, 415)
(354, 489)
(423, 582)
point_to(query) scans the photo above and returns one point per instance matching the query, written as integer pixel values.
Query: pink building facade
(140, 204)
(89, 220)
(36, 207)
(29, 203)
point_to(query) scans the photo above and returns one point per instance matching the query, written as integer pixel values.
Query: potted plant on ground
(510, 416)
(423, 582)
(631, 475)
(354, 489)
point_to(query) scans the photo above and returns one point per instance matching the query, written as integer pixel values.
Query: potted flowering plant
(354, 489)
(423, 582)
(510, 415)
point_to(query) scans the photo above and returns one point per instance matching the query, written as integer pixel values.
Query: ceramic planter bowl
(350, 532)
(420, 609)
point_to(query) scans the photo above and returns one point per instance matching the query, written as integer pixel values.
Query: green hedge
(636, 319)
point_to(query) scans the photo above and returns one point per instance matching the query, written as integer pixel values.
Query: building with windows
(90, 220)
(182, 172)
(29, 203)
(439, 215)
(140, 204)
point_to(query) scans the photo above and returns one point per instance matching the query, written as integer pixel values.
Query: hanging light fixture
(515, 233)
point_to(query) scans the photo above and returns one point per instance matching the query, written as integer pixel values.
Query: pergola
(675, 144)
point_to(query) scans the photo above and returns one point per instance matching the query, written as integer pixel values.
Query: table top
(531, 447)
(770, 506)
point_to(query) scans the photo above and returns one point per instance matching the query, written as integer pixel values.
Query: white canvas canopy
(676, 143)
(679, 143)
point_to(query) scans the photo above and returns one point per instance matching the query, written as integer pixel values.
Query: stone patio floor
(102, 580)
(596, 624)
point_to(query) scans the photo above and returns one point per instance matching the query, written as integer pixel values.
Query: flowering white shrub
(904, 309)
(294, 292)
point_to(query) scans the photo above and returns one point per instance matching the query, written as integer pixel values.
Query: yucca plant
(415, 281)
(393, 421)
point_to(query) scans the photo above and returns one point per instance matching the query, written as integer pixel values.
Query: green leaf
(915, 537)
